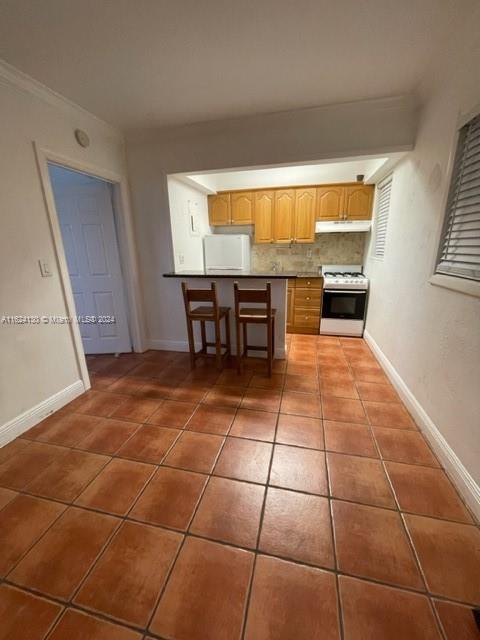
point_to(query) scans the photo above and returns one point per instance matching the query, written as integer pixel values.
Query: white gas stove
(345, 291)
(344, 277)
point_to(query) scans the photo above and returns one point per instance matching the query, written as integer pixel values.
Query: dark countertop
(270, 275)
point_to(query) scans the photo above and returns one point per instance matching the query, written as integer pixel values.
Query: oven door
(344, 304)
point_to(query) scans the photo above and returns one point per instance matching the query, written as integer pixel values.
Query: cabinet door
(358, 202)
(242, 207)
(304, 224)
(263, 216)
(283, 217)
(219, 210)
(329, 204)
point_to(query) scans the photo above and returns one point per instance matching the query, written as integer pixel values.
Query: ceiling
(324, 173)
(157, 63)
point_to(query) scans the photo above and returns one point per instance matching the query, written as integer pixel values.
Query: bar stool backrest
(200, 295)
(253, 296)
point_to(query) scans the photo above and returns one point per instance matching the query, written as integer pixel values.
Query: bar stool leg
(191, 342)
(269, 346)
(204, 336)
(218, 345)
(227, 333)
(239, 347)
(273, 337)
(245, 342)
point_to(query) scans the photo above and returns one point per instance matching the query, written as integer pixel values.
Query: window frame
(380, 183)
(457, 283)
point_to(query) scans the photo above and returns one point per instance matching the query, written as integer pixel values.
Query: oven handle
(359, 291)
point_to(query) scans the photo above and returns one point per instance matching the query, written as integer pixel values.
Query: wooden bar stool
(255, 315)
(203, 314)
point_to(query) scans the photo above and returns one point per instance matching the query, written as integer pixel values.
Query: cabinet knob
(308, 282)
(308, 298)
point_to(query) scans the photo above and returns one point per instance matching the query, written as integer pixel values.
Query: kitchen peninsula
(251, 280)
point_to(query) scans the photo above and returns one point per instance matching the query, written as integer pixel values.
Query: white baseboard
(182, 345)
(33, 416)
(462, 479)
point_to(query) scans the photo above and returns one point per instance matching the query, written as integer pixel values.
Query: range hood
(343, 226)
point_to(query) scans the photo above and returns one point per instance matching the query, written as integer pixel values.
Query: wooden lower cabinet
(304, 305)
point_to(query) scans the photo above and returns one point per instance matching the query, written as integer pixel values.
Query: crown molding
(12, 76)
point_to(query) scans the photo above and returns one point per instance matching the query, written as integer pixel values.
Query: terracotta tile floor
(203, 505)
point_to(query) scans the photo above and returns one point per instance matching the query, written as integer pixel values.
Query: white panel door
(84, 207)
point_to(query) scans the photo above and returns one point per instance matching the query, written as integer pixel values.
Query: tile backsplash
(328, 248)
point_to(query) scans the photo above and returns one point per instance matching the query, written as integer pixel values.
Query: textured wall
(430, 334)
(329, 248)
(37, 361)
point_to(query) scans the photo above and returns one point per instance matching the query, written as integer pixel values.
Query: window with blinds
(459, 250)
(384, 191)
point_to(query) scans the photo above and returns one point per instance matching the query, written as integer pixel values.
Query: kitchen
(303, 228)
(337, 498)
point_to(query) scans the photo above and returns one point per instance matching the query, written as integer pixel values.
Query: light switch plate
(45, 269)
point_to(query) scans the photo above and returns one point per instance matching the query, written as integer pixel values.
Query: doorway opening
(88, 225)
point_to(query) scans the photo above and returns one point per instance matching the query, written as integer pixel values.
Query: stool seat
(209, 312)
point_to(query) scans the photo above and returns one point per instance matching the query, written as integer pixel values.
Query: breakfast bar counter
(249, 280)
(237, 275)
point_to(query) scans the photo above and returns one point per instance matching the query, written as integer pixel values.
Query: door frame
(126, 246)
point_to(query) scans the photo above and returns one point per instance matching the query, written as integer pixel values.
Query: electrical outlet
(309, 253)
(181, 258)
(45, 269)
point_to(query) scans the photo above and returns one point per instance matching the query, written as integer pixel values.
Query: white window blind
(459, 250)
(384, 191)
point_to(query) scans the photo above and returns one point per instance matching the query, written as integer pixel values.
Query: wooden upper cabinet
(288, 215)
(284, 212)
(242, 207)
(263, 216)
(329, 204)
(219, 209)
(358, 202)
(304, 225)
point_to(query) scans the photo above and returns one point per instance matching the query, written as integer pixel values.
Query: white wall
(431, 335)
(37, 361)
(368, 127)
(185, 203)
(339, 131)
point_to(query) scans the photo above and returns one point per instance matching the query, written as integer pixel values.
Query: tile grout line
(402, 520)
(290, 444)
(382, 460)
(185, 535)
(270, 555)
(158, 465)
(334, 544)
(246, 610)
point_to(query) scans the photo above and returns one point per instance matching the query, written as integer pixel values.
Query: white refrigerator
(227, 252)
